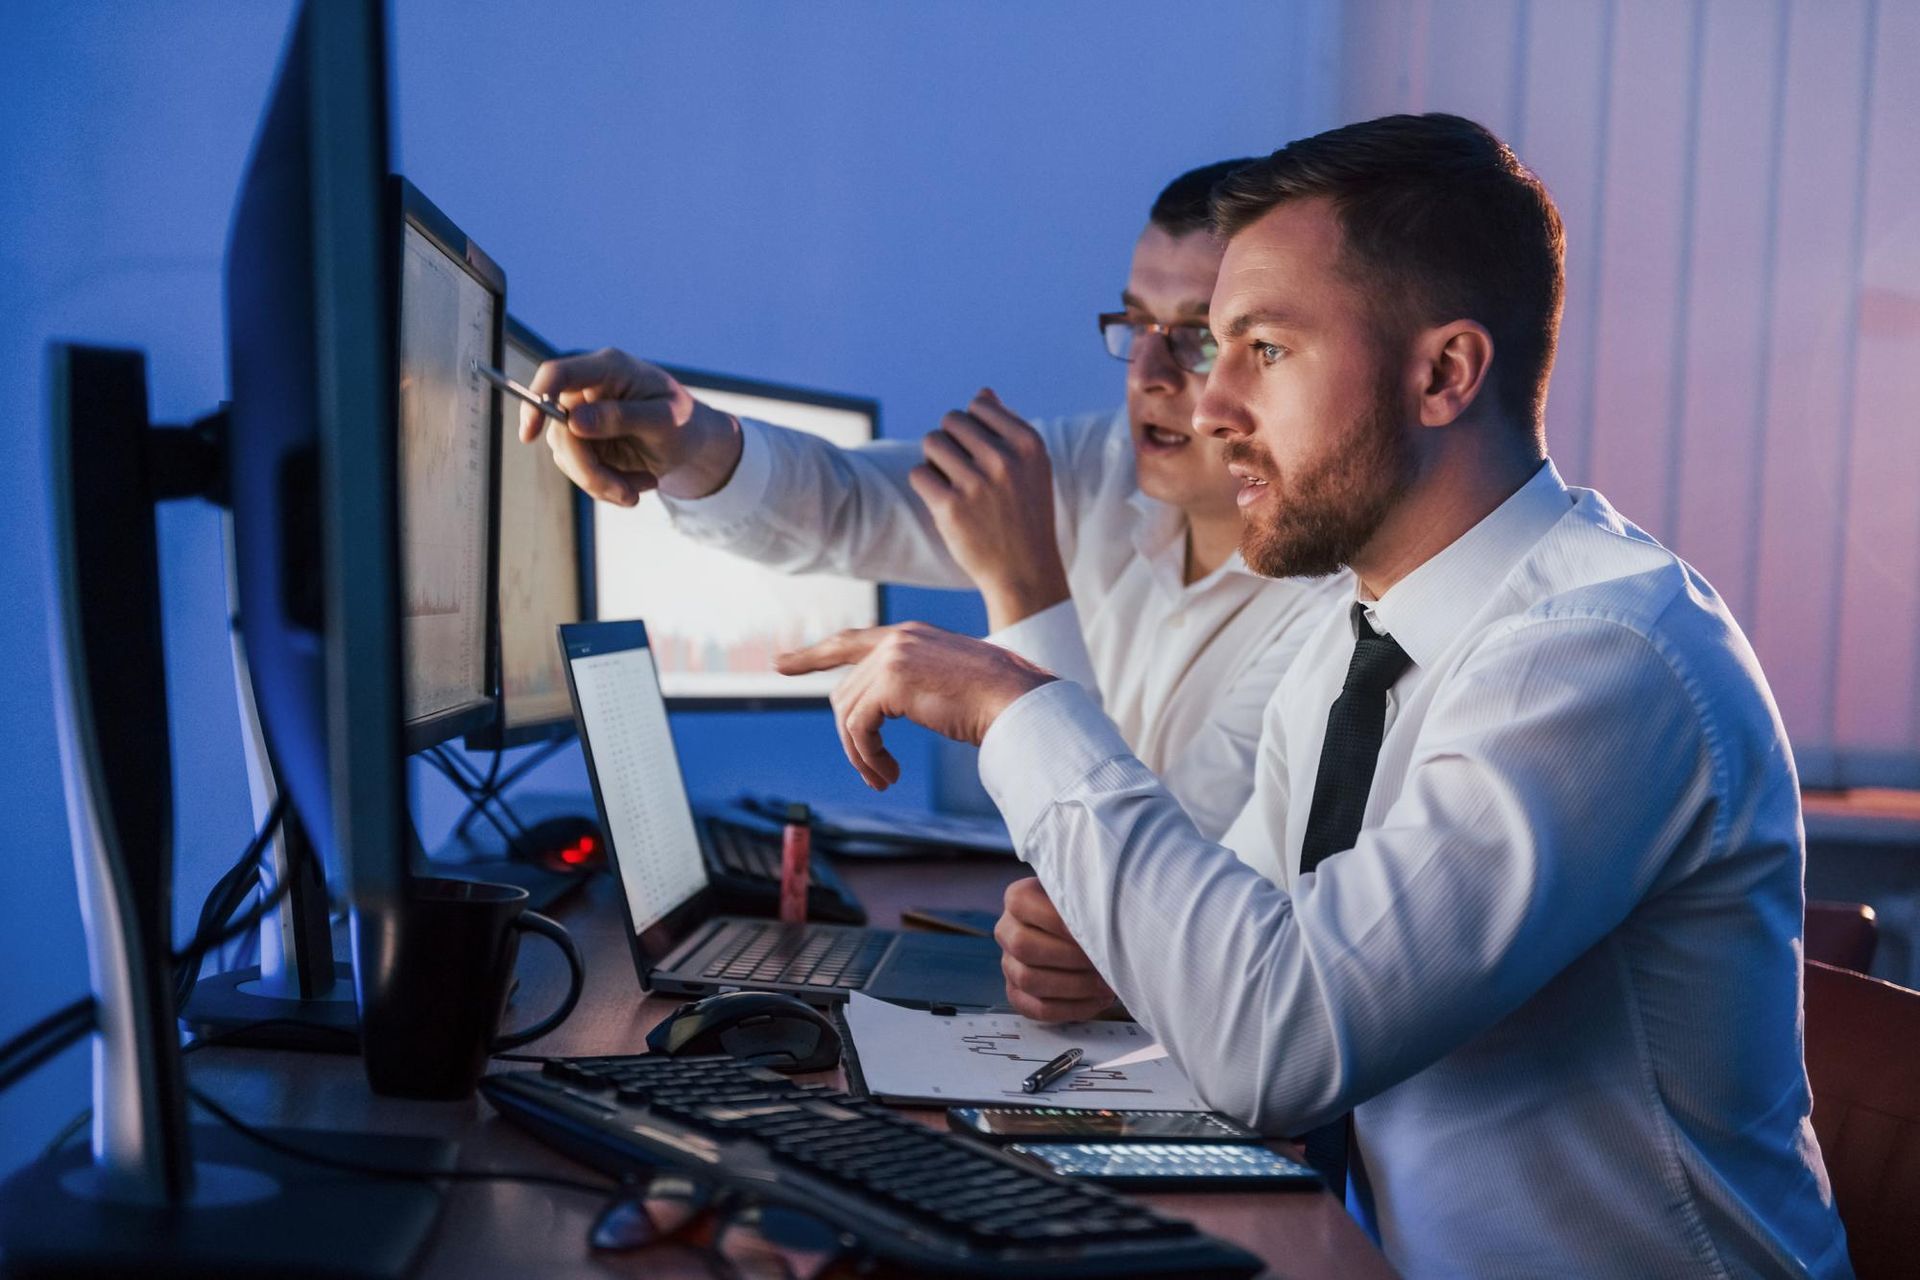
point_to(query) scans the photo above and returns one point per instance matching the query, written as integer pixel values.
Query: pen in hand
(513, 387)
(1052, 1071)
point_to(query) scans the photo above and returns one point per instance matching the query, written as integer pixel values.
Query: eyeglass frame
(1166, 331)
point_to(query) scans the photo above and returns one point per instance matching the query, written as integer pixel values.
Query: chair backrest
(1843, 934)
(1863, 1062)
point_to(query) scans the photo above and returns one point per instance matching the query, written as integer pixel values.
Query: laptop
(682, 943)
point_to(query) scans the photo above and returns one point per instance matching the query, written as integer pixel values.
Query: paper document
(967, 1058)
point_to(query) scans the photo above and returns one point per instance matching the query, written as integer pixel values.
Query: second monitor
(717, 620)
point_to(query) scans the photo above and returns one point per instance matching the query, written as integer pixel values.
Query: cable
(225, 898)
(44, 1039)
(475, 801)
(293, 1152)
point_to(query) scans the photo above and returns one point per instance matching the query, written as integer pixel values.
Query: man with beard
(1106, 546)
(1524, 965)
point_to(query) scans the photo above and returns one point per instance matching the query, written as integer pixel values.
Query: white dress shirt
(1184, 671)
(1557, 978)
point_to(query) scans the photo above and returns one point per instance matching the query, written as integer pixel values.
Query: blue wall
(906, 201)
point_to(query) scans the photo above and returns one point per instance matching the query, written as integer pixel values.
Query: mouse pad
(927, 969)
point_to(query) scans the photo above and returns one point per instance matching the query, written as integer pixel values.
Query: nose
(1219, 413)
(1152, 368)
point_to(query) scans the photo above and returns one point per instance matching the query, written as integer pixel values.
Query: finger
(954, 464)
(863, 722)
(1055, 984)
(1038, 948)
(987, 450)
(580, 464)
(1027, 902)
(840, 700)
(997, 418)
(934, 489)
(1041, 1010)
(606, 419)
(840, 650)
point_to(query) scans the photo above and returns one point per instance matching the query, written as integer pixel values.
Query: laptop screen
(636, 775)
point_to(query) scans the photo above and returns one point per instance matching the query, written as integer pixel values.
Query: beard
(1328, 510)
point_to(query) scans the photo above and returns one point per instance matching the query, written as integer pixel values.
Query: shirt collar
(1429, 607)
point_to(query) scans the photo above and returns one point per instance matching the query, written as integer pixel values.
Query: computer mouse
(764, 1028)
(568, 845)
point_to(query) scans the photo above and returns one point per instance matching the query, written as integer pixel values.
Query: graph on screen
(717, 620)
(446, 421)
(539, 568)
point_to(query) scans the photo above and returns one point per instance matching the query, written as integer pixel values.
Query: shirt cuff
(1043, 743)
(741, 496)
(1051, 638)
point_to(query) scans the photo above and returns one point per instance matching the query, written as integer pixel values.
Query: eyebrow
(1192, 307)
(1267, 315)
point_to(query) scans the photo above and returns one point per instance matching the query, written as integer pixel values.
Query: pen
(1052, 1071)
(513, 387)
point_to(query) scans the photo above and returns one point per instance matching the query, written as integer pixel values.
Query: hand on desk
(988, 483)
(953, 685)
(1049, 977)
(631, 427)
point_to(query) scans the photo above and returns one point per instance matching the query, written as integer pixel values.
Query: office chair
(1842, 934)
(1862, 1043)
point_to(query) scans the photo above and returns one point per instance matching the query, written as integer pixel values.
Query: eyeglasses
(1191, 345)
(739, 1238)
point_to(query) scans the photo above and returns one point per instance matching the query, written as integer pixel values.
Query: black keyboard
(929, 1202)
(745, 862)
(800, 956)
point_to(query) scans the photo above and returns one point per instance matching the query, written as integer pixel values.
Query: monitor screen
(636, 775)
(449, 322)
(717, 620)
(539, 566)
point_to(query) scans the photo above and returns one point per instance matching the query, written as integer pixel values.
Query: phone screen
(1112, 1126)
(1148, 1164)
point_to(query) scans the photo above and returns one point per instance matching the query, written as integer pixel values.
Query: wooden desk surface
(514, 1229)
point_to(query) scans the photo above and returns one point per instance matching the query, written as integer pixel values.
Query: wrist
(711, 453)
(1011, 599)
(1019, 681)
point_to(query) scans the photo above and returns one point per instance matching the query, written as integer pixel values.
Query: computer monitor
(717, 620)
(539, 571)
(304, 455)
(452, 308)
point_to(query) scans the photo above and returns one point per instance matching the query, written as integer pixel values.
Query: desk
(513, 1229)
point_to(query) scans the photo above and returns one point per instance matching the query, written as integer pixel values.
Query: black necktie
(1355, 726)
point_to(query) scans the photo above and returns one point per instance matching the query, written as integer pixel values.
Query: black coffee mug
(433, 1015)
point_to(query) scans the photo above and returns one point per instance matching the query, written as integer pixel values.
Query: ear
(1454, 362)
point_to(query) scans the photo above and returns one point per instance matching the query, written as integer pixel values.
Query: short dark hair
(1186, 204)
(1442, 222)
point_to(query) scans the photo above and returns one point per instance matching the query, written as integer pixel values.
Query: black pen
(1052, 1071)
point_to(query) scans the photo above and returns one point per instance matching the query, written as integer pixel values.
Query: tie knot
(1377, 660)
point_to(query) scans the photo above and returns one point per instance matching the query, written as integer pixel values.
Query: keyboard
(928, 1202)
(745, 865)
(810, 957)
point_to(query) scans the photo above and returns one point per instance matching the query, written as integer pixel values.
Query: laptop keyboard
(800, 955)
(749, 852)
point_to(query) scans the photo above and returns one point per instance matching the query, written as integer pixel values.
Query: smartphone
(1185, 1165)
(1050, 1124)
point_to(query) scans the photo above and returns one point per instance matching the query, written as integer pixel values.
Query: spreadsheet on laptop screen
(649, 822)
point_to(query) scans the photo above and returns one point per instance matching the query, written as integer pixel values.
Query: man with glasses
(1106, 547)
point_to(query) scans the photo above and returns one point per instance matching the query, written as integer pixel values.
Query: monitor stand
(299, 996)
(251, 1211)
(153, 1194)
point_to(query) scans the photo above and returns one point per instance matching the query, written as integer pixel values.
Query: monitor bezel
(497, 734)
(411, 207)
(589, 599)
